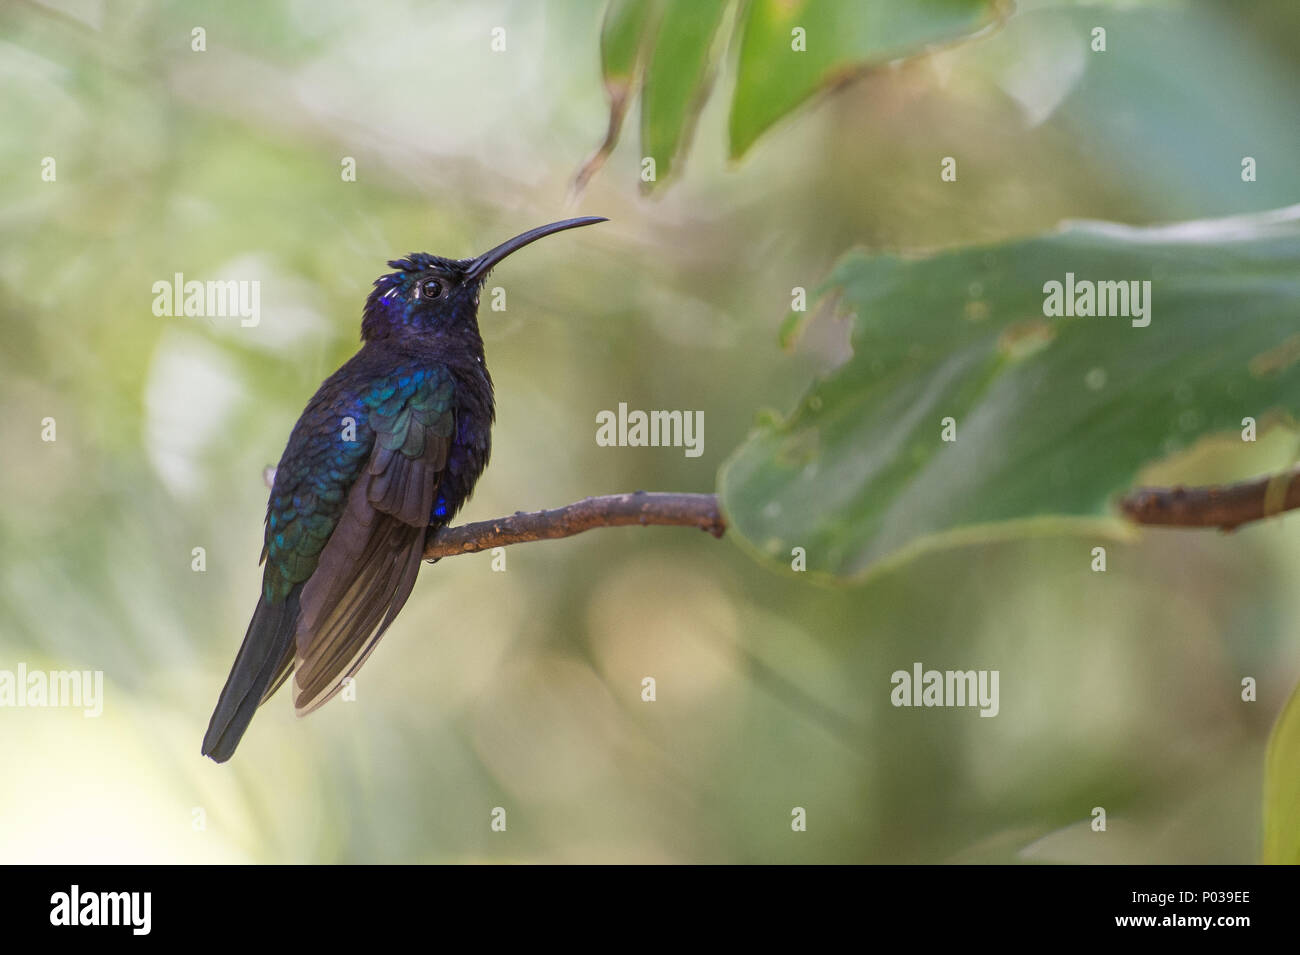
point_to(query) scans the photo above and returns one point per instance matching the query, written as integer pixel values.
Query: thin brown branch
(1225, 506)
(613, 510)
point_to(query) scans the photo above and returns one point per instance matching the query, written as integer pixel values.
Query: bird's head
(428, 294)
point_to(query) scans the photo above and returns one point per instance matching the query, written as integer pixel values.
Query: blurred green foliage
(1282, 789)
(522, 689)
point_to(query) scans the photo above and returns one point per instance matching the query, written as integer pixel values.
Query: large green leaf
(671, 50)
(1053, 415)
(840, 40)
(677, 77)
(621, 41)
(1282, 788)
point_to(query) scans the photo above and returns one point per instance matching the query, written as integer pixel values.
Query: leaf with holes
(1051, 414)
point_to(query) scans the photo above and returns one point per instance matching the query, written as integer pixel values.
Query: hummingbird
(389, 447)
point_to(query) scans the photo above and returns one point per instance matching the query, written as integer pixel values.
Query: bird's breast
(471, 447)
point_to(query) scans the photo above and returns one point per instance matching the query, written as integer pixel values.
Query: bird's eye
(430, 289)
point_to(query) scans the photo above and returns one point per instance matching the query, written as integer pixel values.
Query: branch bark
(1226, 506)
(612, 510)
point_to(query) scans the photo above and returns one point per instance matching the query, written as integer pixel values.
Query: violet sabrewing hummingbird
(390, 446)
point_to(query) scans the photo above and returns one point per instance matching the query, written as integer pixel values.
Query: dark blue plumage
(390, 445)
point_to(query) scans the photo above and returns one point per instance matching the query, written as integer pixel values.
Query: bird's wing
(369, 564)
(326, 453)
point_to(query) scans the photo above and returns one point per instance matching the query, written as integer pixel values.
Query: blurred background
(522, 689)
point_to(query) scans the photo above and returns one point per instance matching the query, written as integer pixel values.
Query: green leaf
(677, 79)
(1282, 788)
(1053, 414)
(840, 39)
(622, 47)
(621, 40)
(672, 48)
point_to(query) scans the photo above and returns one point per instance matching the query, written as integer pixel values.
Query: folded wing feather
(369, 565)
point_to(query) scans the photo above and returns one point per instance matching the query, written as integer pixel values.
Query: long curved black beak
(479, 268)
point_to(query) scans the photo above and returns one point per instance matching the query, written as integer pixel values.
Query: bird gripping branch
(391, 445)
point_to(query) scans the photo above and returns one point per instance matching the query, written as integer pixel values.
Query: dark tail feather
(263, 662)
